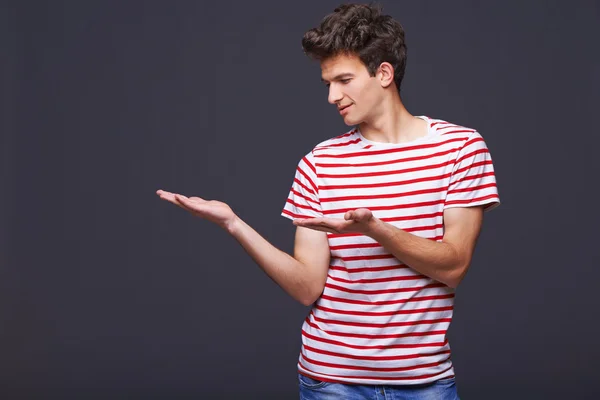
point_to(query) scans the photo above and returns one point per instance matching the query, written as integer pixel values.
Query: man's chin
(351, 121)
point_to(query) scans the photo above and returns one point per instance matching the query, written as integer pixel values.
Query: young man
(387, 219)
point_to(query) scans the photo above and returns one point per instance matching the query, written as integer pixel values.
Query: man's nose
(335, 95)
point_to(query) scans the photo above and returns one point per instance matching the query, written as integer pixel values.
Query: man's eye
(344, 81)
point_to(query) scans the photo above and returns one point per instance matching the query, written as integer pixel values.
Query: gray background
(108, 292)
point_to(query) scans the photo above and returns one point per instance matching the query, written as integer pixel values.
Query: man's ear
(385, 74)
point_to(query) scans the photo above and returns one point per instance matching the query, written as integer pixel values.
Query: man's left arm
(472, 188)
(446, 261)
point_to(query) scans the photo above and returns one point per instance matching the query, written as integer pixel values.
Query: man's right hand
(212, 210)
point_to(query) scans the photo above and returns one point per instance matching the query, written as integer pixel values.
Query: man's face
(355, 93)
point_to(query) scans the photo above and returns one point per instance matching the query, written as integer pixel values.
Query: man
(387, 219)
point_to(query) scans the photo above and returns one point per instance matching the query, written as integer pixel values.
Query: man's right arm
(302, 276)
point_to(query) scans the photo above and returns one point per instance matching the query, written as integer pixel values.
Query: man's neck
(393, 124)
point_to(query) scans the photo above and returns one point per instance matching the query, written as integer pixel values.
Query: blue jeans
(311, 389)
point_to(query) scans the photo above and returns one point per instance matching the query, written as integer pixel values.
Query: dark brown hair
(361, 30)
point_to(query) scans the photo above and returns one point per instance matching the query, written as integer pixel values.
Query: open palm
(212, 210)
(354, 221)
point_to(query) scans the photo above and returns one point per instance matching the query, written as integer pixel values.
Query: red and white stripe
(377, 320)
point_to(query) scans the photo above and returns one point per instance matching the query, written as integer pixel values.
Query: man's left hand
(355, 221)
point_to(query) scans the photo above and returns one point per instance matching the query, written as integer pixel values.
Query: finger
(161, 192)
(192, 203)
(313, 222)
(308, 222)
(348, 215)
(361, 215)
(166, 196)
(181, 199)
(319, 228)
(173, 199)
(303, 221)
(187, 204)
(358, 215)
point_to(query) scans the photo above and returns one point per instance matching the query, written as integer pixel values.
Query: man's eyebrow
(340, 76)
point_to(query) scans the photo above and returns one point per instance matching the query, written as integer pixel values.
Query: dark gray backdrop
(108, 292)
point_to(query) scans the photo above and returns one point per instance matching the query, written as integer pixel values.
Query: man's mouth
(344, 110)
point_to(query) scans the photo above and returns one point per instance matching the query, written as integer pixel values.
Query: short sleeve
(303, 199)
(473, 181)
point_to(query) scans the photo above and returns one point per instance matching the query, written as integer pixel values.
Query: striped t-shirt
(379, 321)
